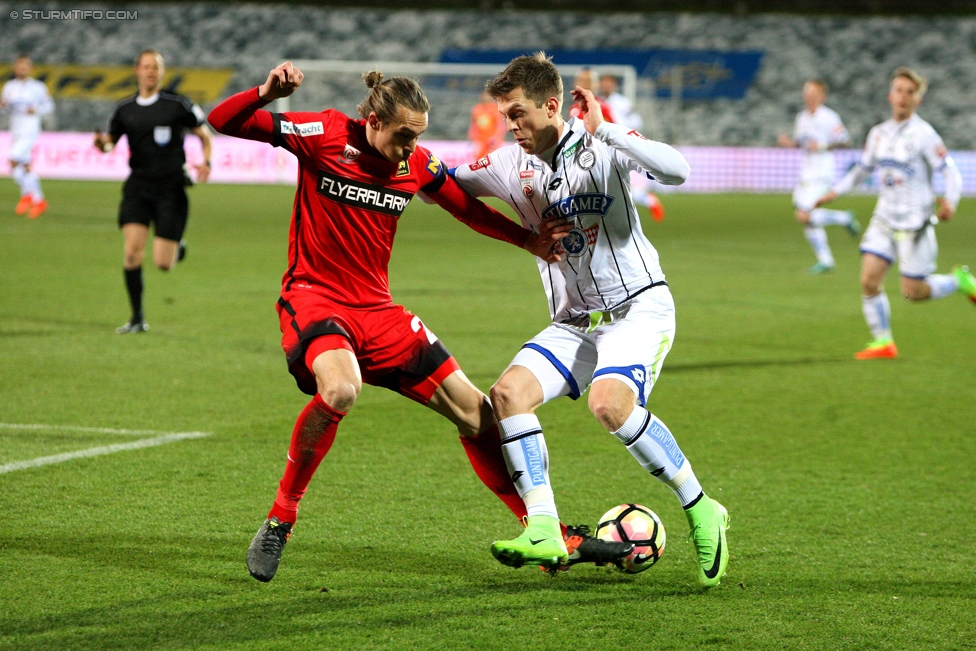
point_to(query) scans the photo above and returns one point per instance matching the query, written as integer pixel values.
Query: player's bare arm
(945, 210)
(281, 82)
(203, 169)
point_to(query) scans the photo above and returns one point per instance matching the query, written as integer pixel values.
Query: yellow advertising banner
(202, 85)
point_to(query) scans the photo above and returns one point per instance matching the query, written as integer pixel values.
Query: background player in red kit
(339, 325)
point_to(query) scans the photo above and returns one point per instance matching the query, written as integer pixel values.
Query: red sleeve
(476, 215)
(238, 115)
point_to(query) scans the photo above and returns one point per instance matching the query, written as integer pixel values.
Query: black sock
(133, 283)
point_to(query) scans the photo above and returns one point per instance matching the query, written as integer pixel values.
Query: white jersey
(825, 128)
(906, 153)
(586, 179)
(27, 100)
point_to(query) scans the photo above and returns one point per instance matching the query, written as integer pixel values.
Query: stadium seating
(854, 55)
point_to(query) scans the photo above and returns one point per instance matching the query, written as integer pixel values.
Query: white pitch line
(105, 449)
(73, 428)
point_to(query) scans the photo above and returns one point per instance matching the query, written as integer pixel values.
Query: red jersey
(349, 198)
(347, 205)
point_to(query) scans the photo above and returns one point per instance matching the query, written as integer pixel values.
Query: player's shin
(828, 217)
(311, 439)
(654, 447)
(942, 285)
(17, 174)
(527, 461)
(817, 237)
(877, 314)
(133, 285)
(485, 454)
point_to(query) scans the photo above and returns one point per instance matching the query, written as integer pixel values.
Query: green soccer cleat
(540, 544)
(709, 520)
(853, 227)
(967, 282)
(819, 268)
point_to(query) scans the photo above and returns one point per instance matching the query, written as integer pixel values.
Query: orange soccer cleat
(37, 209)
(24, 204)
(655, 207)
(879, 349)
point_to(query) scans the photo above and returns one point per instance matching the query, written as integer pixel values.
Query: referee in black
(154, 122)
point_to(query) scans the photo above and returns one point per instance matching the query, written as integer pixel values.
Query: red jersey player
(339, 325)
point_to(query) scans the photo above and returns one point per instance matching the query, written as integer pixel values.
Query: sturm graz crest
(585, 159)
(575, 242)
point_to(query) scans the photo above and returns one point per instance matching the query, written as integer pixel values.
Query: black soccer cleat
(584, 548)
(264, 554)
(133, 326)
(181, 251)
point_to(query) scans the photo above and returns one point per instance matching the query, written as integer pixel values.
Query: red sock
(314, 433)
(485, 453)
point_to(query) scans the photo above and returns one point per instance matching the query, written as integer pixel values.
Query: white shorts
(631, 347)
(806, 194)
(916, 251)
(21, 148)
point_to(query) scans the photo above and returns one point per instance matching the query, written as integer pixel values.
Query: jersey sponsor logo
(362, 195)
(534, 164)
(162, 135)
(434, 166)
(572, 150)
(525, 180)
(403, 169)
(586, 159)
(588, 203)
(636, 134)
(577, 241)
(480, 164)
(526, 174)
(304, 129)
(907, 169)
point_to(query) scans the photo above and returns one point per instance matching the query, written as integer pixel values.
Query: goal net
(452, 88)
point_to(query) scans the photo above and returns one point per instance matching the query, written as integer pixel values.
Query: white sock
(817, 237)
(32, 186)
(877, 313)
(655, 449)
(527, 459)
(828, 217)
(942, 285)
(17, 173)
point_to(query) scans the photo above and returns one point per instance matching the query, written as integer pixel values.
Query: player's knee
(607, 412)
(870, 286)
(506, 397)
(803, 217)
(338, 393)
(132, 258)
(915, 291)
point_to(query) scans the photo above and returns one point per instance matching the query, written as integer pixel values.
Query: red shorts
(394, 348)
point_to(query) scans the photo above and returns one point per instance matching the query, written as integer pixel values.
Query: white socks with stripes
(655, 449)
(527, 458)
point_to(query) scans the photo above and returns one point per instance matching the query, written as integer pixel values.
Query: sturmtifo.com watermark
(74, 14)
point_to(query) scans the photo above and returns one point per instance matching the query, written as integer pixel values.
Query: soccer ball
(639, 525)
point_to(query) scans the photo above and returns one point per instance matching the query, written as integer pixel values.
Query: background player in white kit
(817, 131)
(906, 150)
(28, 100)
(613, 315)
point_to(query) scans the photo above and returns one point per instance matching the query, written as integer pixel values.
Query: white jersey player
(906, 150)
(27, 100)
(613, 315)
(817, 131)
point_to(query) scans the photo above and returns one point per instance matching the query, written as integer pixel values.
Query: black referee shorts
(159, 201)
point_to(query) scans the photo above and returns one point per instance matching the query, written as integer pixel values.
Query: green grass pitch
(850, 484)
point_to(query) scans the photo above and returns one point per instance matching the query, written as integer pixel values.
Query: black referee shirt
(155, 131)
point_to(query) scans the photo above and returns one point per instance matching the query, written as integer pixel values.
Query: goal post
(453, 88)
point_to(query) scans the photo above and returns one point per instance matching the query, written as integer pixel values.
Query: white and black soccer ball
(635, 524)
